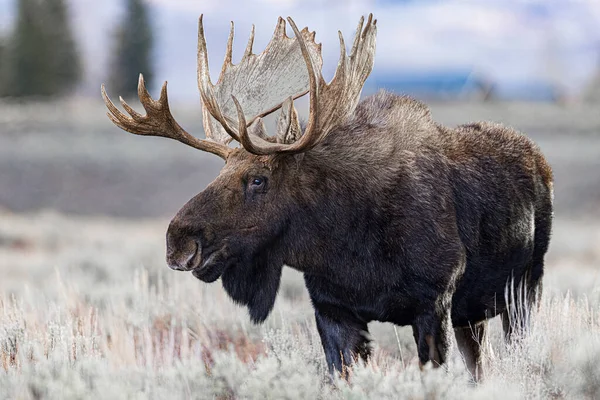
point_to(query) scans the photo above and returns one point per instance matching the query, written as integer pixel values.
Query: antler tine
(158, 120)
(134, 114)
(144, 96)
(228, 54)
(358, 34)
(243, 131)
(202, 52)
(206, 87)
(248, 51)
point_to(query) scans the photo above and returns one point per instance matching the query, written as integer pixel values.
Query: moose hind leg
(432, 332)
(470, 342)
(343, 335)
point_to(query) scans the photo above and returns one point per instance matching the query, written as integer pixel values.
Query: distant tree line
(40, 56)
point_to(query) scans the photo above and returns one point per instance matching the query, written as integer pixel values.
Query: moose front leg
(343, 335)
(432, 332)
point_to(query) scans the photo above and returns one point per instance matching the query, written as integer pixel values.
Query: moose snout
(185, 258)
(183, 251)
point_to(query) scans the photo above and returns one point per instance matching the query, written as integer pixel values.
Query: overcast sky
(509, 41)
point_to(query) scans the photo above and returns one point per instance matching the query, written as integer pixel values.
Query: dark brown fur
(391, 217)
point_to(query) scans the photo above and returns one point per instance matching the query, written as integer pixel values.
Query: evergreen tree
(27, 67)
(63, 59)
(41, 57)
(133, 48)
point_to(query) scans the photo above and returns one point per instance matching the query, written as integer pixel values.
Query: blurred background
(534, 65)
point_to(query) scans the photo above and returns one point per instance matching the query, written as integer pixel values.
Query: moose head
(256, 215)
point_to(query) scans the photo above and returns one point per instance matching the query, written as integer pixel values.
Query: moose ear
(254, 287)
(288, 126)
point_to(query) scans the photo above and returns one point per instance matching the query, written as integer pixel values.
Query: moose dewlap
(389, 215)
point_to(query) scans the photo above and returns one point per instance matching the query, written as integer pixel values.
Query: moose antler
(288, 68)
(260, 83)
(158, 120)
(330, 104)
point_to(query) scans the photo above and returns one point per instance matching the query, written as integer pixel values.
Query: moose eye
(256, 184)
(257, 181)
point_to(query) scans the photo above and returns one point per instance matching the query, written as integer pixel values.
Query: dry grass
(88, 310)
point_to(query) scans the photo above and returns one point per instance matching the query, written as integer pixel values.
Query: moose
(389, 215)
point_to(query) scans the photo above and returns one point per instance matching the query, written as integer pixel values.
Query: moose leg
(470, 341)
(432, 335)
(343, 335)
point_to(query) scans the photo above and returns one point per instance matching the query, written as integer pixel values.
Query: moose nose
(184, 247)
(185, 258)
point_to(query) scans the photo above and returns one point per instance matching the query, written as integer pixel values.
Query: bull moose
(389, 215)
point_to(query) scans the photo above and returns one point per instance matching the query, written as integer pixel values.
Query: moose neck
(333, 204)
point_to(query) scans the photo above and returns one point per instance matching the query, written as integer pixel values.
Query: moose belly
(384, 304)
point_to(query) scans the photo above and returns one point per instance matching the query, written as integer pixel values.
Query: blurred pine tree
(64, 62)
(40, 58)
(133, 50)
(26, 64)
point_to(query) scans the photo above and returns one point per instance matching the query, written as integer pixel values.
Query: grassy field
(88, 308)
